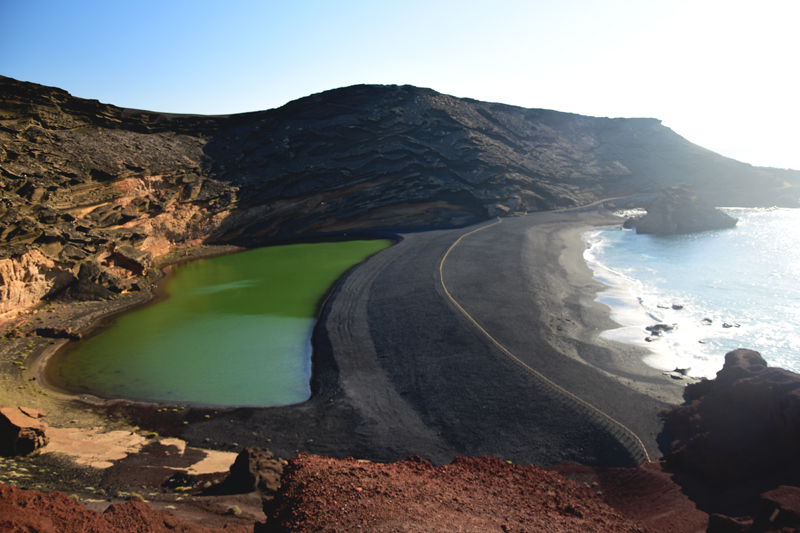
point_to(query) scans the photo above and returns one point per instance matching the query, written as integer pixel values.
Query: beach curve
(399, 371)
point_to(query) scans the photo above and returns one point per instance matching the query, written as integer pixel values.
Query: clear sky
(724, 74)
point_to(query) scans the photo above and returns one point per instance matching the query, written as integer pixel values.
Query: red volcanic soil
(646, 495)
(30, 511)
(482, 494)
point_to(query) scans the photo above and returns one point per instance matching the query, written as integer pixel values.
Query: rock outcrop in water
(85, 183)
(679, 210)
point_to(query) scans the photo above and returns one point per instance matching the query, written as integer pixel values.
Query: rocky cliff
(89, 187)
(679, 210)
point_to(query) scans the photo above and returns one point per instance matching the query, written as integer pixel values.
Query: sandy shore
(399, 371)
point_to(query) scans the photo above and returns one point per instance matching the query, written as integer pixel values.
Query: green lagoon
(234, 331)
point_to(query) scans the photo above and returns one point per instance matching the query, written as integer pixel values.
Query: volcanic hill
(95, 193)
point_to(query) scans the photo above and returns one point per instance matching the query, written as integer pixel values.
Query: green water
(235, 331)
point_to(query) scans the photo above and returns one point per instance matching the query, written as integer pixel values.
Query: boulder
(92, 272)
(27, 276)
(21, 430)
(85, 291)
(743, 425)
(718, 523)
(135, 260)
(679, 210)
(254, 470)
(55, 512)
(658, 329)
(779, 508)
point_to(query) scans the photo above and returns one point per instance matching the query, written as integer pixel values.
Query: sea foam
(720, 290)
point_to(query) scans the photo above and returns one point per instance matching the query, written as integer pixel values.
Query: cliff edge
(98, 194)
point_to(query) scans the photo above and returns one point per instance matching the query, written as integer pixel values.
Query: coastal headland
(400, 370)
(476, 334)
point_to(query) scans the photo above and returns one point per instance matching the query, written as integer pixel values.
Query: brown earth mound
(743, 425)
(30, 511)
(472, 494)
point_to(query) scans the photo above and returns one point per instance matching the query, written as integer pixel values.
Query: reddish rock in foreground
(472, 494)
(30, 511)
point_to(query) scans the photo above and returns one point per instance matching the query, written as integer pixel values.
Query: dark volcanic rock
(78, 175)
(658, 329)
(55, 512)
(254, 470)
(94, 282)
(21, 430)
(743, 425)
(678, 211)
(58, 333)
(413, 496)
(779, 508)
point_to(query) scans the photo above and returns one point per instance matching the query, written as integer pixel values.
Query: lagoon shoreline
(397, 371)
(367, 402)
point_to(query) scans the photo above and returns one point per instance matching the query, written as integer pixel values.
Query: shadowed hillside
(90, 183)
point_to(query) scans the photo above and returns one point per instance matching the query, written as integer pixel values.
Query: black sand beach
(399, 370)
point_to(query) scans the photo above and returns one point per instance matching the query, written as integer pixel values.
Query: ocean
(719, 290)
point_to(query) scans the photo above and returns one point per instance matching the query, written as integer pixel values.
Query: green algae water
(234, 331)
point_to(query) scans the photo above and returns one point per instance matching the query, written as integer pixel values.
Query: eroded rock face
(679, 210)
(745, 424)
(84, 182)
(255, 470)
(21, 430)
(779, 508)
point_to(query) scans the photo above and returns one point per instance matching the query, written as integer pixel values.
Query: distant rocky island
(679, 210)
(93, 193)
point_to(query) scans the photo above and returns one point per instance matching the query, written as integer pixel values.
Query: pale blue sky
(721, 73)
